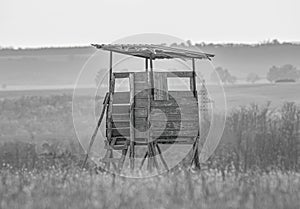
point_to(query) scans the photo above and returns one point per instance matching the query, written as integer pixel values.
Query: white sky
(33, 23)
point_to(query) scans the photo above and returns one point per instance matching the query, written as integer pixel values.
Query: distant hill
(243, 59)
(60, 66)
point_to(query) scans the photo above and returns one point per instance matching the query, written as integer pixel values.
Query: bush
(252, 78)
(223, 75)
(284, 72)
(261, 138)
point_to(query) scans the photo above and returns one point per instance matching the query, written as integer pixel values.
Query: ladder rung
(122, 114)
(121, 117)
(140, 143)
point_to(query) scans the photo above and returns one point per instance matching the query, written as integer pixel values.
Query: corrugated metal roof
(154, 51)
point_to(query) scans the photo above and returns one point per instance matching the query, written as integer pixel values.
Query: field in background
(236, 95)
(42, 66)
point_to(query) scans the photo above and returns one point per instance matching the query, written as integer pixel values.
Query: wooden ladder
(111, 142)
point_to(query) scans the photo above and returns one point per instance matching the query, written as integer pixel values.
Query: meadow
(183, 189)
(256, 165)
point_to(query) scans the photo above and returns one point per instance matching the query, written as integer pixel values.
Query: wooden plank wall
(175, 120)
(174, 117)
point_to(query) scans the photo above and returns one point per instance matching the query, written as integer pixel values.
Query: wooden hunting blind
(149, 114)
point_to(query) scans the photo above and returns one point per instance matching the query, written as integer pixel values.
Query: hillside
(60, 66)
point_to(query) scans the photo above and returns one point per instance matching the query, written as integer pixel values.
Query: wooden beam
(183, 102)
(122, 160)
(174, 133)
(132, 137)
(121, 74)
(109, 153)
(155, 163)
(143, 161)
(175, 125)
(151, 79)
(150, 157)
(150, 98)
(146, 65)
(195, 153)
(175, 140)
(110, 108)
(110, 69)
(193, 79)
(105, 103)
(180, 74)
(180, 94)
(161, 157)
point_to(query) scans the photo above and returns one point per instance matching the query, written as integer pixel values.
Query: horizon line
(265, 42)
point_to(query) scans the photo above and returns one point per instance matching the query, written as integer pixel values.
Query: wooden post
(132, 137)
(109, 154)
(150, 150)
(150, 157)
(195, 153)
(109, 88)
(109, 112)
(110, 70)
(161, 157)
(109, 118)
(155, 163)
(151, 147)
(105, 103)
(151, 78)
(143, 161)
(193, 79)
(122, 160)
(146, 65)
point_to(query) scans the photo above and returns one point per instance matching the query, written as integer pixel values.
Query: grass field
(207, 190)
(236, 95)
(255, 166)
(240, 95)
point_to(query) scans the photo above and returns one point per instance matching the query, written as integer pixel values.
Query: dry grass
(256, 166)
(77, 189)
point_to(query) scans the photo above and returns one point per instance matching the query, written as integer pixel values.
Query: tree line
(276, 74)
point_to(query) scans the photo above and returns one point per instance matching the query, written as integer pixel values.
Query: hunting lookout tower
(131, 117)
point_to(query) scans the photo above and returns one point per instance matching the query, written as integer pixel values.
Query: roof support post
(193, 79)
(151, 78)
(110, 69)
(151, 154)
(193, 64)
(146, 65)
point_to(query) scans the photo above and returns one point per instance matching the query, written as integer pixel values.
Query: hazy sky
(35, 23)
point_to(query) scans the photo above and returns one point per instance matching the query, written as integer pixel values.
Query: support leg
(131, 156)
(154, 156)
(122, 160)
(161, 157)
(113, 163)
(109, 154)
(150, 164)
(105, 103)
(143, 161)
(195, 154)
